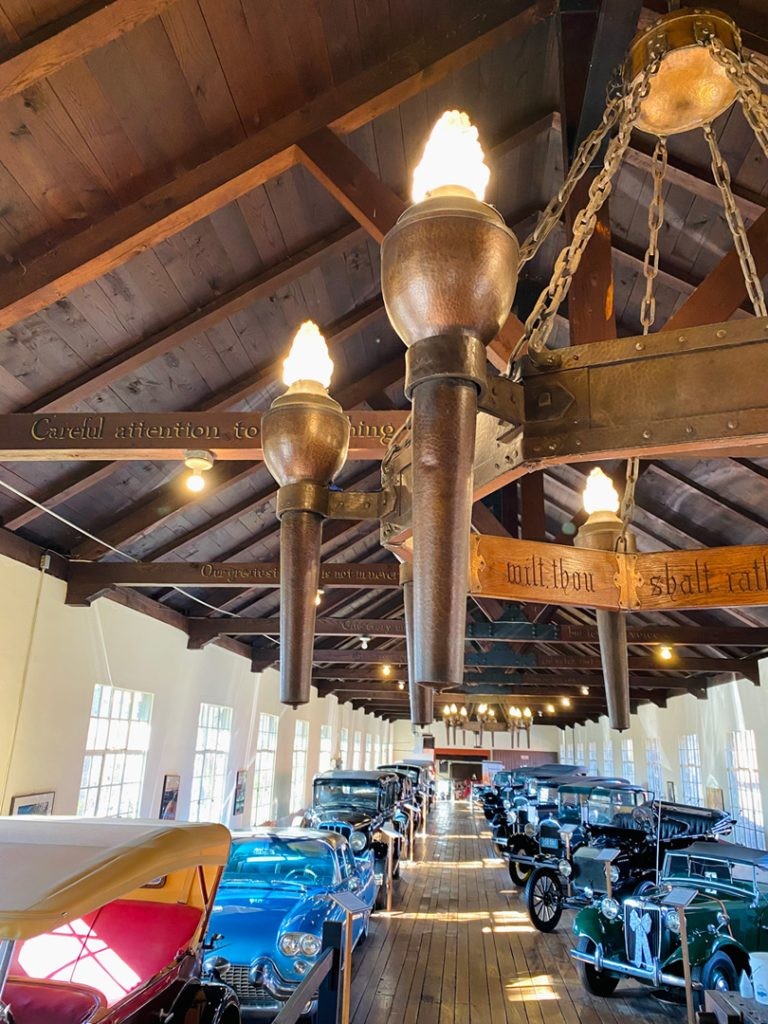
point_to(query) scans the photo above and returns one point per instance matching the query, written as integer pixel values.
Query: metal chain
(751, 97)
(581, 162)
(655, 220)
(628, 502)
(722, 177)
(758, 67)
(539, 325)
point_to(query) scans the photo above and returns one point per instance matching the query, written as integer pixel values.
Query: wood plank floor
(458, 947)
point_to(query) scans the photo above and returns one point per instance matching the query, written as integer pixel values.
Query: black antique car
(358, 804)
(622, 850)
(724, 889)
(420, 777)
(515, 788)
(548, 853)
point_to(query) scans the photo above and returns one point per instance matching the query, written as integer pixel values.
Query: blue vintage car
(274, 897)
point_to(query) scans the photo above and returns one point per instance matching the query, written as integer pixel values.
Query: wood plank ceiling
(176, 199)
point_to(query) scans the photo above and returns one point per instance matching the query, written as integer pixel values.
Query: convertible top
(351, 774)
(727, 851)
(56, 869)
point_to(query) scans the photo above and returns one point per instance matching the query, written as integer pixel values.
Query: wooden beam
(723, 290)
(488, 684)
(87, 28)
(88, 579)
(25, 289)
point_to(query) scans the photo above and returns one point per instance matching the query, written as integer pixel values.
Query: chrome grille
(337, 826)
(642, 932)
(250, 995)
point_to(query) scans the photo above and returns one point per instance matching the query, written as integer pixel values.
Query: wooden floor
(458, 947)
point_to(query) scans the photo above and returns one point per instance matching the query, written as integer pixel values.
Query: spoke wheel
(544, 900)
(519, 873)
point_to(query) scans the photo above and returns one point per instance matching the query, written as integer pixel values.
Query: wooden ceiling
(184, 181)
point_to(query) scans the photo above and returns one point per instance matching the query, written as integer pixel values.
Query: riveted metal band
(302, 497)
(452, 356)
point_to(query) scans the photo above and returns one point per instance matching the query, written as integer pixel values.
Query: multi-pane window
(592, 757)
(690, 769)
(608, 757)
(653, 761)
(344, 748)
(744, 787)
(376, 751)
(628, 759)
(326, 748)
(209, 776)
(299, 768)
(264, 769)
(115, 753)
(368, 751)
(357, 749)
(580, 752)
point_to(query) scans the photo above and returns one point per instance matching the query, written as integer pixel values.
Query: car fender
(592, 924)
(703, 945)
(522, 843)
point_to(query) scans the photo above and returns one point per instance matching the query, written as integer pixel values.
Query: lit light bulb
(401, 685)
(492, 712)
(195, 481)
(528, 713)
(550, 709)
(198, 462)
(666, 653)
(364, 641)
(308, 358)
(453, 162)
(386, 670)
(463, 712)
(482, 708)
(446, 710)
(599, 494)
(565, 701)
(585, 691)
(319, 596)
(454, 709)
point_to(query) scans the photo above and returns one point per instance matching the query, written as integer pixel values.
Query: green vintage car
(639, 937)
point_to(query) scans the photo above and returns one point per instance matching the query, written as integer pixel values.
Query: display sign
(166, 435)
(706, 577)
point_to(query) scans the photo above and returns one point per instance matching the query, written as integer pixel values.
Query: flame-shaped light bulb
(599, 494)
(453, 162)
(308, 358)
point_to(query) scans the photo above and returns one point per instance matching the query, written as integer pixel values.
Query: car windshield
(346, 793)
(705, 871)
(570, 806)
(546, 794)
(279, 862)
(610, 807)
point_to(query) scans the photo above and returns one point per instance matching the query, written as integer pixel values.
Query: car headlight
(672, 921)
(609, 908)
(512, 817)
(358, 841)
(218, 965)
(529, 830)
(614, 874)
(565, 868)
(295, 943)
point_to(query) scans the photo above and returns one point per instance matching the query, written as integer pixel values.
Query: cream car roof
(55, 869)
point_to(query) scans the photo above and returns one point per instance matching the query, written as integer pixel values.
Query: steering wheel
(299, 873)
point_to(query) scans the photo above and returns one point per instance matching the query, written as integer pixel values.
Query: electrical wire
(117, 551)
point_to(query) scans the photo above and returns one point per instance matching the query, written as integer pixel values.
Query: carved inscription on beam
(702, 578)
(161, 436)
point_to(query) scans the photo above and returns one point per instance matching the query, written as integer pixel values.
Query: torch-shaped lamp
(305, 440)
(449, 271)
(601, 532)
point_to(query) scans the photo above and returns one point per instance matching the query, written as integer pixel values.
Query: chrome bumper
(654, 976)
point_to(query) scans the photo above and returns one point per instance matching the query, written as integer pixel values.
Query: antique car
(408, 802)
(276, 893)
(724, 889)
(547, 852)
(421, 778)
(103, 920)
(510, 786)
(623, 847)
(358, 804)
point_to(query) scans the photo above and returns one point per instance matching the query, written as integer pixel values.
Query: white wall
(731, 707)
(543, 737)
(52, 656)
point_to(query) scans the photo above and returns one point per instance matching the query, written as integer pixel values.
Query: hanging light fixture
(198, 462)
(305, 440)
(604, 530)
(449, 272)
(666, 652)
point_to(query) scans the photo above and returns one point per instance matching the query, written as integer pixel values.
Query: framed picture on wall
(238, 805)
(32, 803)
(169, 801)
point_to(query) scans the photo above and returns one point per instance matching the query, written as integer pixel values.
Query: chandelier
(449, 274)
